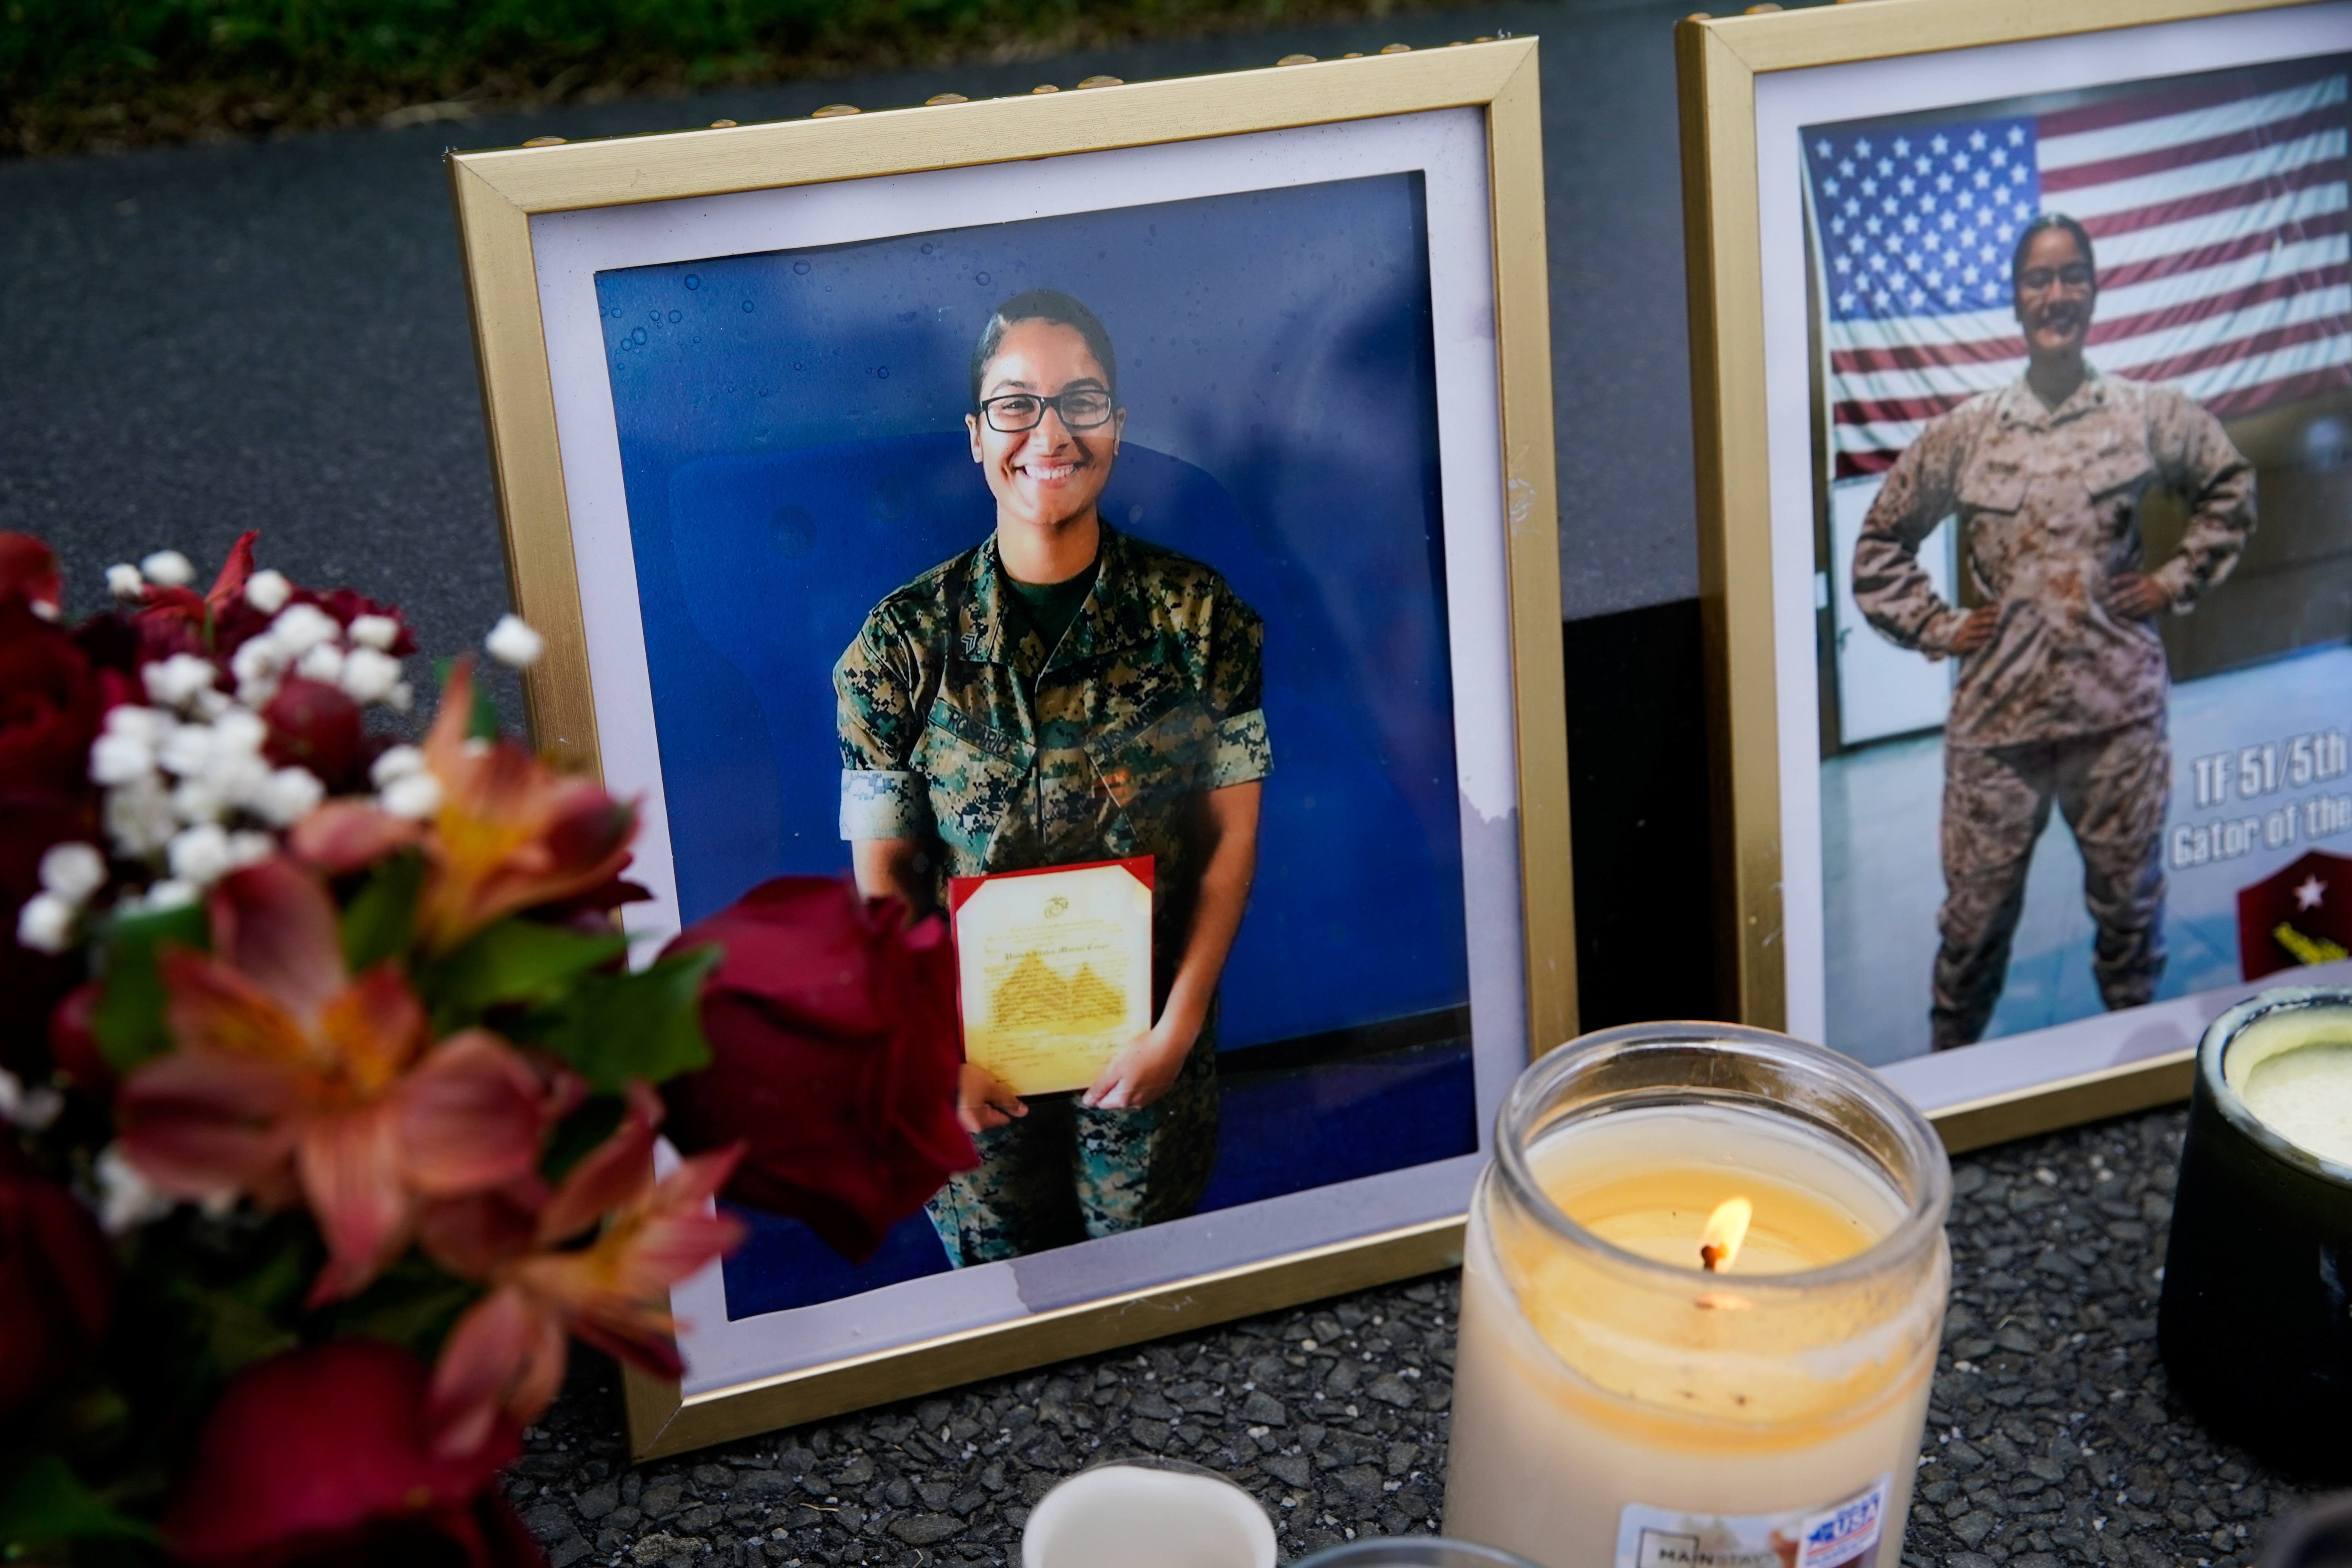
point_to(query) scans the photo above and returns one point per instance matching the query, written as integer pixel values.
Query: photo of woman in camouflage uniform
(1058, 694)
(2062, 691)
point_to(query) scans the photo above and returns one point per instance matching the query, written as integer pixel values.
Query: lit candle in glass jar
(1702, 1291)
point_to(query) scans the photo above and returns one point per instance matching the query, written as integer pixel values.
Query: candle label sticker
(1844, 1532)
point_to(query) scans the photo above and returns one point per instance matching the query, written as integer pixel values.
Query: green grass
(82, 75)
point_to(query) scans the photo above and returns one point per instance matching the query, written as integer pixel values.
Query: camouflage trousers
(1064, 1173)
(2114, 787)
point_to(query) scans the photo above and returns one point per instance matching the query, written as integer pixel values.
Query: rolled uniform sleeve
(875, 688)
(1890, 588)
(1241, 750)
(2197, 460)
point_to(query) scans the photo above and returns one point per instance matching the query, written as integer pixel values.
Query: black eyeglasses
(1087, 408)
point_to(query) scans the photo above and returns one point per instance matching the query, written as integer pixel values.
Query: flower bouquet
(328, 1098)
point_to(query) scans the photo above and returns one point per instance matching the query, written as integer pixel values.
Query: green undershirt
(1050, 607)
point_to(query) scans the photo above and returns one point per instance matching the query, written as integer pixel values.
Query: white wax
(2293, 1070)
(1133, 1515)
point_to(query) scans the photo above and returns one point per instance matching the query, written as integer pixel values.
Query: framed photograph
(2022, 375)
(1086, 483)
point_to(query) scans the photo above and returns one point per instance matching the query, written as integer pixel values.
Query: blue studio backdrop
(792, 443)
(793, 447)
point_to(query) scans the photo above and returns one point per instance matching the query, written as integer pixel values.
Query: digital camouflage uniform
(1151, 699)
(2067, 702)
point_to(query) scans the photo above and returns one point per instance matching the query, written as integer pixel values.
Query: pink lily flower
(509, 833)
(506, 1356)
(297, 1081)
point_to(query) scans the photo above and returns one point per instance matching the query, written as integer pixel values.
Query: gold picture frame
(1756, 341)
(503, 197)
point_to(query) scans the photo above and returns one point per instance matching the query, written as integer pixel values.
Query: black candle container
(2255, 1324)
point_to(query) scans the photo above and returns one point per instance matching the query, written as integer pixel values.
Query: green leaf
(615, 1027)
(128, 1018)
(482, 723)
(42, 1500)
(413, 1304)
(513, 960)
(381, 922)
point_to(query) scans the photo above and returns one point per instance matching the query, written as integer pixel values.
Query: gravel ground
(2052, 1438)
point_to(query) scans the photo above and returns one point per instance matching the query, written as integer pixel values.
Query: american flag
(2217, 203)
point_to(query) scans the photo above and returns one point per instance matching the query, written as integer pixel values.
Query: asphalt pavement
(273, 334)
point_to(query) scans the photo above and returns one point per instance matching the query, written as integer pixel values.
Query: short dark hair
(2043, 225)
(1044, 305)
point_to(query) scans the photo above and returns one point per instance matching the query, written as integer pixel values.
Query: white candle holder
(1146, 1512)
(1617, 1404)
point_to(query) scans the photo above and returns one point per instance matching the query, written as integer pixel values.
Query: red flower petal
(350, 1174)
(57, 1284)
(323, 1441)
(276, 924)
(469, 1116)
(197, 1125)
(343, 835)
(28, 571)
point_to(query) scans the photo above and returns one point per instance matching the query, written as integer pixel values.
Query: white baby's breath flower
(72, 871)
(32, 1109)
(239, 779)
(249, 848)
(324, 662)
(259, 657)
(120, 758)
(126, 1200)
(298, 628)
(139, 817)
(210, 705)
(396, 764)
(200, 855)
(513, 643)
(413, 795)
(401, 697)
(170, 568)
(378, 632)
(173, 681)
(288, 795)
(188, 750)
(123, 581)
(196, 800)
(47, 610)
(171, 894)
(148, 724)
(239, 733)
(45, 924)
(267, 591)
(369, 676)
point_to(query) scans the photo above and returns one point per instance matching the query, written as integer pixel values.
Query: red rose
(319, 1456)
(57, 1284)
(313, 725)
(50, 707)
(835, 1056)
(28, 571)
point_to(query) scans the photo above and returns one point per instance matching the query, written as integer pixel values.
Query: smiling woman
(1060, 695)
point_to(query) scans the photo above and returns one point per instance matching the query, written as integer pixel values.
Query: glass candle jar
(2255, 1322)
(1702, 1291)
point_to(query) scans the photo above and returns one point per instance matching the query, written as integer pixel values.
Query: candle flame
(1726, 1229)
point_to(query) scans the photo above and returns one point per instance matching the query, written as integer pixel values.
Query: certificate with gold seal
(1053, 970)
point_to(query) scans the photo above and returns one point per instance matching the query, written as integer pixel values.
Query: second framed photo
(2026, 386)
(1121, 518)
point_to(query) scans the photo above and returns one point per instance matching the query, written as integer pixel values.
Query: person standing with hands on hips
(2063, 690)
(1063, 693)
